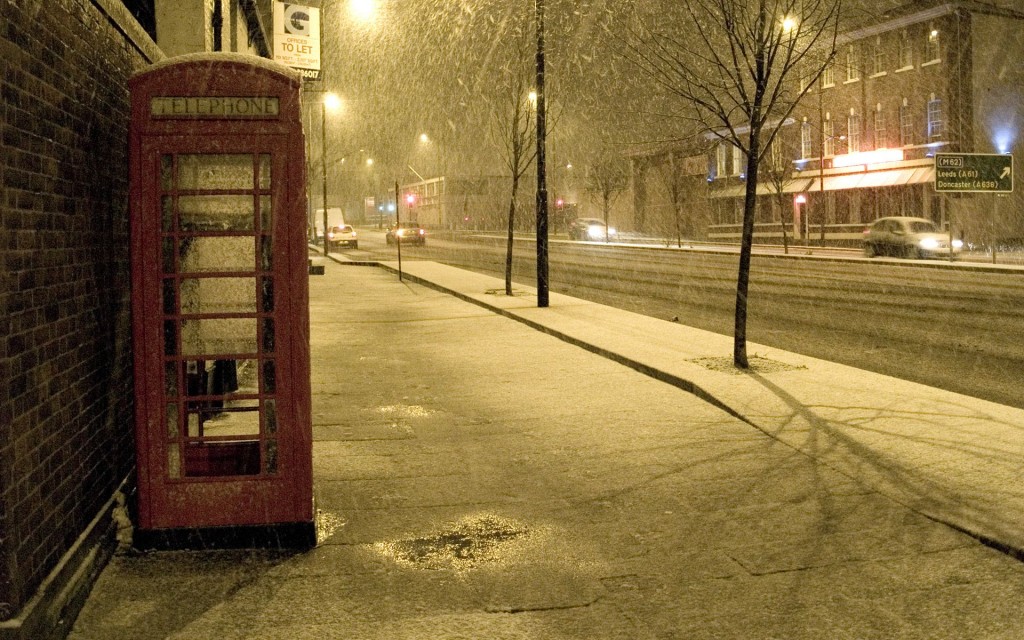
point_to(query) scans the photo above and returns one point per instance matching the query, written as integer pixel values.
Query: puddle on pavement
(404, 411)
(463, 545)
(327, 524)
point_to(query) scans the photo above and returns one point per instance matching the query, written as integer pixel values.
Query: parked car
(908, 237)
(407, 233)
(589, 229)
(343, 236)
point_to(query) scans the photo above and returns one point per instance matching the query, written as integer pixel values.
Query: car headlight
(595, 231)
(958, 244)
(929, 243)
(611, 231)
(400, 233)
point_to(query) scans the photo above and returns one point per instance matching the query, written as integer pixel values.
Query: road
(955, 327)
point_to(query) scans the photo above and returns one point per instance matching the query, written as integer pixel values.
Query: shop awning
(876, 179)
(763, 189)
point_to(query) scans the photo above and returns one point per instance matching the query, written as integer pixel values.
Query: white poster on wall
(297, 38)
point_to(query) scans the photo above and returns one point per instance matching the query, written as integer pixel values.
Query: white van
(335, 218)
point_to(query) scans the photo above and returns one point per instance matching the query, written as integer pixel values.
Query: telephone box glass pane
(216, 213)
(167, 254)
(267, 294)
(169, 296)
(173, 461)
(207, 336)
(268, 335)
(264, 171)
(211, 419)
(269, 377)
(171, 379)
(172, 420)
(224, 253)
(265, 217)
(170, 338)
(167, 213)
(266, 253)
(271, 456)
(270, 416)
(166, 173)
(218, 295)
(215, 172)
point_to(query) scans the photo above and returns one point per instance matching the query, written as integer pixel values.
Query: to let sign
(974, 172)
(297, 38)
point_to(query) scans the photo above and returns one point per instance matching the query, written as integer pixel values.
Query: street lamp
(542, 189)
(331, 101)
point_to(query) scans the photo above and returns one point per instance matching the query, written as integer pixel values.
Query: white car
(908, 237)
(342, 236)
(589, 229)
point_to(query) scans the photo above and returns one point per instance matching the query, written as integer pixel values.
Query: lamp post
(330, 100)
(542, 190)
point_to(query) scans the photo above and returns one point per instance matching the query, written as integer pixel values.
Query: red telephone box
(220, 298)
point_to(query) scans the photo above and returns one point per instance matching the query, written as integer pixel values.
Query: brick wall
(65, 361)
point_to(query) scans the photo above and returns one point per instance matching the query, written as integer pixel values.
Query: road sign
(974, 172)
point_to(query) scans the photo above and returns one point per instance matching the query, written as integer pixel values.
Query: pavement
(485, 468)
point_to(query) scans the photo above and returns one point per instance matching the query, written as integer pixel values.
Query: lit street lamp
(332, 102)
(542, 189)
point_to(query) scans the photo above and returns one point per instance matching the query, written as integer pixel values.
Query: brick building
(66, 434)
(927, 78)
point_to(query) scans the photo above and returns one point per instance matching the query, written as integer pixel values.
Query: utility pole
(323, 160)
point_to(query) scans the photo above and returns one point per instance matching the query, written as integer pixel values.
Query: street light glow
(331, 101)
(364, 11)
(424, 138)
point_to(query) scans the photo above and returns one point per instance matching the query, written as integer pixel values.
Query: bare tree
(607, 178)
(671, 177)
(514, 135)
(777, 173)
(736, 66)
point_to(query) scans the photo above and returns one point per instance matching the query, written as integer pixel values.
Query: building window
(737, 161)
(145, 13)
(880, 126)
(906, 125)
(853, 132)
(852, 63)
(775, 153)
(931, 47)
(828, 75)
(805, 140)
(906, 50)
(827, 132)
(879, 59)
(722, 160)
(935, 124)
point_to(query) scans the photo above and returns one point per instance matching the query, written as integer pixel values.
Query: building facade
(931, 78)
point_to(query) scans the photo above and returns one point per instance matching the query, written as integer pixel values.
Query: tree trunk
(511, 233)
(746, 243)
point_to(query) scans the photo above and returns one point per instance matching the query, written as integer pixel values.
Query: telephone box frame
(203, 115)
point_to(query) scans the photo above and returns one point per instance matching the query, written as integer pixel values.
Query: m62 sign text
(974, 172)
